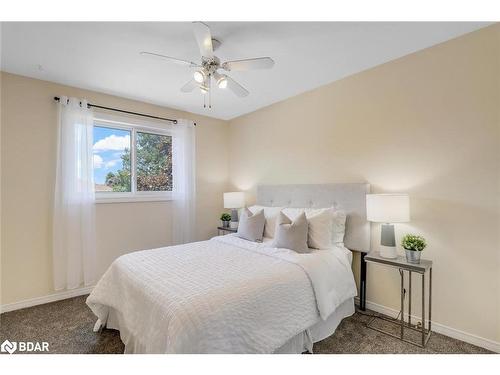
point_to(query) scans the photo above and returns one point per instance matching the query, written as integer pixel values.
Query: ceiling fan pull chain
(210, 91)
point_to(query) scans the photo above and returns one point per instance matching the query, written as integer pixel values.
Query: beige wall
(426, 124)
(28, 159)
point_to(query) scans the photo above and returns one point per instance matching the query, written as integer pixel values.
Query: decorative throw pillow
(320, 221)
(251, 226)
(291, 235)
(271, 214)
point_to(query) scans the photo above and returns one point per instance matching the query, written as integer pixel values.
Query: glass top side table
(226, 230)
(400, 263)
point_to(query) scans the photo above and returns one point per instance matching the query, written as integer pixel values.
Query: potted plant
(225, 218)
(413, 246)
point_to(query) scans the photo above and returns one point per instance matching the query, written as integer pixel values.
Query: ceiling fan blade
(190, 86)
(169, 59)
(203, 38)
(236, 87)
(249, 64)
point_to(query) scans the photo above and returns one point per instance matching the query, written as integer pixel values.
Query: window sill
(132, 199)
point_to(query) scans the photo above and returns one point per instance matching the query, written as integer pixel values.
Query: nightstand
(423, 268)
(226, 230)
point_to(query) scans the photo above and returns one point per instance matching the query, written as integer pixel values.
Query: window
(112, 164)
(154, 162)
(131, 162)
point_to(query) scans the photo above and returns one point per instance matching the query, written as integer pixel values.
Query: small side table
(425, 266)
(226, 230)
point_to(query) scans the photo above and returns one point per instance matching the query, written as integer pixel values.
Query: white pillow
(271, 214)
(320, 231)
(320, 223)
(293, 213)
(338, 232)
(339, 220)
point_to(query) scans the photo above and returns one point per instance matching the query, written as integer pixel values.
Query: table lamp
(388, 209)
(234, 200)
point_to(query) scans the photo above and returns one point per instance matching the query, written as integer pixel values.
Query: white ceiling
(105, 56)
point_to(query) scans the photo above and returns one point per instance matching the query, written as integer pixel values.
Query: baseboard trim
(440, 328)
(45, 299)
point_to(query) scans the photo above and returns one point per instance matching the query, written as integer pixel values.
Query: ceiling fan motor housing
(210, 64)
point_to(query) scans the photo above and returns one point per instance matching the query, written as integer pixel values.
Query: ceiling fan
(210, 66)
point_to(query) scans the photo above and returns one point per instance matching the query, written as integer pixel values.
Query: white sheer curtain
(184, 182)
(74, 224)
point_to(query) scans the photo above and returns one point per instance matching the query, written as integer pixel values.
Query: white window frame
(134, 127)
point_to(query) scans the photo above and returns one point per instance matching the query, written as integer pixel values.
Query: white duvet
(225, 295)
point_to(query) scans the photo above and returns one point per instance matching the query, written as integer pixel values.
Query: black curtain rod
(127, 112)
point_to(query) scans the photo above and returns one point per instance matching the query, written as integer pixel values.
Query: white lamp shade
(388, 208)
(235, 199)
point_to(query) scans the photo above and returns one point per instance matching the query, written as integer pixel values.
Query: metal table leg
(423, 309)
(409, 298)
(362, 284)
(401, 272)
(430, 298)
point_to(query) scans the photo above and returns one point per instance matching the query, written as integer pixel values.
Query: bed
(229, 295)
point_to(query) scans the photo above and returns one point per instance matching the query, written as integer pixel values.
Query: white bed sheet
(226, 295)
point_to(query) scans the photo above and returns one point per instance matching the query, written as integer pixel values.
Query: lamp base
(234, 218)
(389, 252)
(388, 242)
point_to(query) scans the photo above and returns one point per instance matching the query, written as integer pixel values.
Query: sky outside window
(111, 157)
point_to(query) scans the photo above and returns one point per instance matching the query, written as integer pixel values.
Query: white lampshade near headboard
(349, 197)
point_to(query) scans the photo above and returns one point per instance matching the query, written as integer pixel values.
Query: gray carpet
(67, 326)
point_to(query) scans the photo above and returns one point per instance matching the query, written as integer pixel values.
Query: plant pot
(413, 256)
(225, 224)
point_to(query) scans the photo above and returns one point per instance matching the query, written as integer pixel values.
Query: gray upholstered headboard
(351, 198)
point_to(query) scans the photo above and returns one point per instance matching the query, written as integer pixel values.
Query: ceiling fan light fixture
(203, 89)
(222, 82)
(199, 76)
